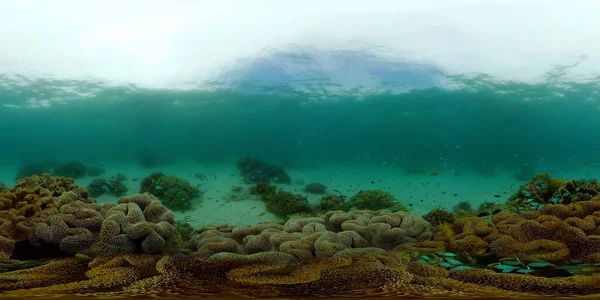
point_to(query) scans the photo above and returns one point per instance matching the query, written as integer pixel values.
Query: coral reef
(334, 202)
(285, 203)
(55, 215)
(256, 171)
(30, 169)
(543, 190)
(137, 222)
(175, 193)
(264, 190)
(463, 209)
(312, 238)
(557, 233)
(315, 188)
(279, 202)
(185, 230)
(71, 169)
(56, 242)
(100, 186)
(439, 216)
(376, 200)
(33, 200)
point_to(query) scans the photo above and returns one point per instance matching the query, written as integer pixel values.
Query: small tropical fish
(262, 214)
(434, 173)
(251, 208)
(158, 187)
(187, 218)
(496, 211)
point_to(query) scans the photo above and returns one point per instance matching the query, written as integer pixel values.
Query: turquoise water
(411, 117)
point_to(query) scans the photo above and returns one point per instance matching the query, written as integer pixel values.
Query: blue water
(410, 116)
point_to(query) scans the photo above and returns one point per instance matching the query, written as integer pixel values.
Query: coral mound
(375, 200)
(175, 193)
(257, 171)
(53, 214)
(557, 233)
(72, 169)
(137, 222)
(311, 238)
(315, 188)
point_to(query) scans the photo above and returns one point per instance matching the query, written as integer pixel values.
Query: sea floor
(419, 193)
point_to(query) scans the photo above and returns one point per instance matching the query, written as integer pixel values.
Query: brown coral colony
(56, 240)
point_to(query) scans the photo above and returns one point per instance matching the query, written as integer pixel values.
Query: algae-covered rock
(315, 188)
(333, 202)
(175, 193)
(257, 171)
(439, 216)
(374, 200)
(72, 169)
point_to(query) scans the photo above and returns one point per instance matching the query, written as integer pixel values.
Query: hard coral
(264, 190)
(74, 227)
(543, 190)
(137, 223)
(256, 171)
(439, 216)
(100, 186)
(32, 201)
(280, 203)
(47, 185)
(285, 203)
(375, 200)
(174, 192)
(334, 202)
(307, 239)
(463, 209)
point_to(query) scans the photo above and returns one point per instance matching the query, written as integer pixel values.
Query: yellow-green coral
(374, 200)
(175, 193)
(439, 216)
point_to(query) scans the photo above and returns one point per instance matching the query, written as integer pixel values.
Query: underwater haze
(433, 103)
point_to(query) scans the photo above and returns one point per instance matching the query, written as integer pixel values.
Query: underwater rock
(71, 169)
(315, 188)
(334, 202)
(34, 169)
(256, 171)
(173, 192)
(100, 186)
